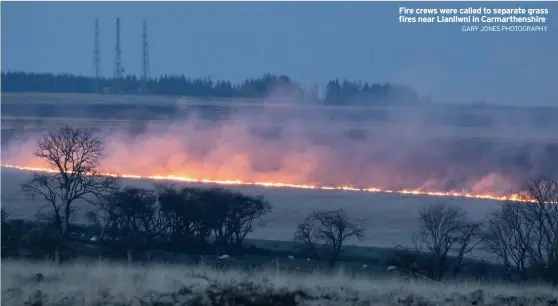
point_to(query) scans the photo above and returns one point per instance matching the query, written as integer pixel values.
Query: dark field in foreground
(106, 284)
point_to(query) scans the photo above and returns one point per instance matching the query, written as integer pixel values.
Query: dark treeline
(336, 91)
(134, 220)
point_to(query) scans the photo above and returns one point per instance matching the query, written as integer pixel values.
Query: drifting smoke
(431, 148)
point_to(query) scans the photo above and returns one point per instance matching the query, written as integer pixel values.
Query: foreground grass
(25, 283)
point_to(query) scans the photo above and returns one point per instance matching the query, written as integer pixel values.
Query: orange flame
(511, 197)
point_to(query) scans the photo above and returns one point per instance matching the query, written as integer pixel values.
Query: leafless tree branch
(330, 228)
(444, 229)
(75, 154)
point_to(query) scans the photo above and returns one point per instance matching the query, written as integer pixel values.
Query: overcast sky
(311, 42)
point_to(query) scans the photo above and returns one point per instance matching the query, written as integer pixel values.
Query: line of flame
(512, 197)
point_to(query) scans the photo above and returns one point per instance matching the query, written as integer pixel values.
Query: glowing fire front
(512, 197)
(410, 157)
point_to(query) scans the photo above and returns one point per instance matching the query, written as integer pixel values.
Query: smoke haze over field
(402, 148)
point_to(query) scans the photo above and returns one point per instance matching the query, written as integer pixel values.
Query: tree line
(336, 91)
(522, 236)
(177, 218)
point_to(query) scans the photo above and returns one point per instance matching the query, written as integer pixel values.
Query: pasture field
(30, 124)
(26, 283)
(390, 219)
(97, 99)
(438, 120)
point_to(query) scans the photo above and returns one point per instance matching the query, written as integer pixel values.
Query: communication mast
(118, 70)
(145, 59)
(97, 56)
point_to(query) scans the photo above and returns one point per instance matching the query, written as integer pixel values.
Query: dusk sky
(311, 42)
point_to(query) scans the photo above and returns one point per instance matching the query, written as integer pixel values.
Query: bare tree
(472, 235)
(243, 211)
(444, 228)
(525, 235)
(509, 237)
(328, 230)
(543, 192)
(183, 214)
(231, 214)
(6, 232)
(405, 258)
(191, 216)
(129, 219)
(74, 155)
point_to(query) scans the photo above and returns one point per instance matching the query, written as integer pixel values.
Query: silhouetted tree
(443, 228)
(184, 216)
(232, 213)
(43, 241)
(356, 93)
(74, 155)
(244, 210)
(328, 231)
(509, 238)
(525, 235)
(178, 218)
(7, 234)
(128, 219)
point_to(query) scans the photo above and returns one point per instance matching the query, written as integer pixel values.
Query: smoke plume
(477, 150)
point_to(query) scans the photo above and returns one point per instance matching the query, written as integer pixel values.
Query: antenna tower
(145, 58)
(118, 57)
(97, 56)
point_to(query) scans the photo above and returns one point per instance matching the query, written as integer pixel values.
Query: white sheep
(364, 266)
(291, 257)
(224, 256)
(392, 268)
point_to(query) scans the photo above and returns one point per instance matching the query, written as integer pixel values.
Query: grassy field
(25, 283)
(390, 219)
(528, 124)
(74, 98)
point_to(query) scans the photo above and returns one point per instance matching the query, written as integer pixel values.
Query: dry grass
(110, 284)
